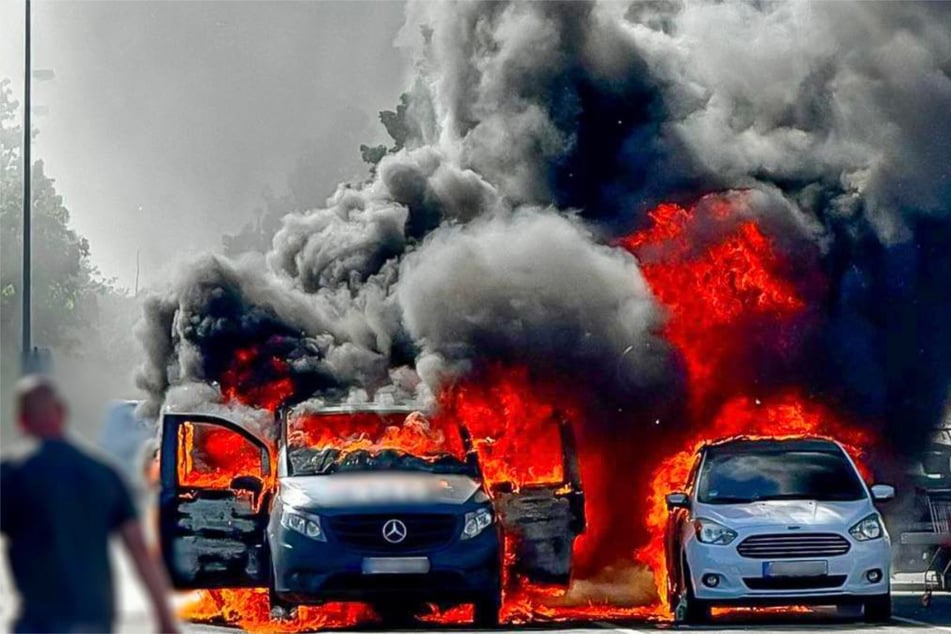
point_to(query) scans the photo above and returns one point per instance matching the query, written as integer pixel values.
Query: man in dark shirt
(58, 507)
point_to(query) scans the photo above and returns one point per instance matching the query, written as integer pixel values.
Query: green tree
(64, 280)
(81, 317)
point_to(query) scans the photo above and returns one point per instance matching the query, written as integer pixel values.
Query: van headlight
(709, 532)
(304, 523)
(476, 522)
(867, 529)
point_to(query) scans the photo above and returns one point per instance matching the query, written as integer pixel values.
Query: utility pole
(136, 293)
(26, 321)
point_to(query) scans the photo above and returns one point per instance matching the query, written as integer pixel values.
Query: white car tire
(696, 611)
(878, 609)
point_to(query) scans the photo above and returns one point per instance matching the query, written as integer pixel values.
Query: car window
(312, 461)
(692, 477)
(210, 455)
(325, 443)
(749, 476)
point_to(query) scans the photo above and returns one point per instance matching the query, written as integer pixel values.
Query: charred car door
(546, 519)
(213, 502)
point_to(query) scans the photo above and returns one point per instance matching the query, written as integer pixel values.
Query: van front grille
(423, 532)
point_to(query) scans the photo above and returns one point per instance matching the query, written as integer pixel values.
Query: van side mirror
(882, 492)
(503, 487)
(677, 500)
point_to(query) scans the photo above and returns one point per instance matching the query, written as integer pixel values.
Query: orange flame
(414, 434)
(243, 382)
(513, 428)
(210, 457)
(727, 301)
(249, 609)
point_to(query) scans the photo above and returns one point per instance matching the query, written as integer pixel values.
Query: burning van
(382, 505)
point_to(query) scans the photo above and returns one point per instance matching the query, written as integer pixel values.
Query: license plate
(795, 568)
(395, 565)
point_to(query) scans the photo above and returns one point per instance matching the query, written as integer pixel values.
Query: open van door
(213, 502)
(546, 519)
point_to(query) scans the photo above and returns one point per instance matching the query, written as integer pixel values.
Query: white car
(776, 522)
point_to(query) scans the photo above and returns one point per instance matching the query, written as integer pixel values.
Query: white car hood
(345, 490)
(807, 514)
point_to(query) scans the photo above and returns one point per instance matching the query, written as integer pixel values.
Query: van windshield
(752, 476)
(322, 443)
(311, 461)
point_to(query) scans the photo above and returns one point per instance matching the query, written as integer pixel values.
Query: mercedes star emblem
(394, 531)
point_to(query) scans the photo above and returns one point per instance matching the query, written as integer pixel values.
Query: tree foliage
(64, 280)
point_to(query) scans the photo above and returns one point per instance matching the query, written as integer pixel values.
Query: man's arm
(7, 501)
(152, 574)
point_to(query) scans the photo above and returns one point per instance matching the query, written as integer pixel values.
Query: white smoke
(534, 285)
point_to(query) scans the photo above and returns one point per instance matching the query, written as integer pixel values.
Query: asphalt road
(910, 616)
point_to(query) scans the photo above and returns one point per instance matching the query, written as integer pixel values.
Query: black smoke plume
(537, 133)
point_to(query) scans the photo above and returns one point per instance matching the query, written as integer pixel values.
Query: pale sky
(168, 119)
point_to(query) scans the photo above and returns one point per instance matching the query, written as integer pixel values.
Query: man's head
(41, 411)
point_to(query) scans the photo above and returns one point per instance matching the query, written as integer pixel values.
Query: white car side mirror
(882, 492)
(677, 500)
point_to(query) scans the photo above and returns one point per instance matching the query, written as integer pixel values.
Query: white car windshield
(752, 476)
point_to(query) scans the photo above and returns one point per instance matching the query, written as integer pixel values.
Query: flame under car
(371, 505)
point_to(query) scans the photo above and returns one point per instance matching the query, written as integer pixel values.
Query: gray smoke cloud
(348, 289)
(842, 104)
(850, 98)
(530, 285)
(539, 131)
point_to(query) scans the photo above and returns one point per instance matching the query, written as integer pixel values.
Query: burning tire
(486, 609)
(396, 613)
(689, 609)
(279, 609)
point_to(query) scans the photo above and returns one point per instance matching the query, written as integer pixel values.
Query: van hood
(807, 514)
(347, 490)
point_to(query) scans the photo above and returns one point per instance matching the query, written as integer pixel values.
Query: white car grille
(781, 546)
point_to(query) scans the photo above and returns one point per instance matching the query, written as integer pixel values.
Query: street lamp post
(27, 203)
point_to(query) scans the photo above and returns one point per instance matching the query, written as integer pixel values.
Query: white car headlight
(304, 523)
(709, 532)
(476, 522)
(867, 529)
